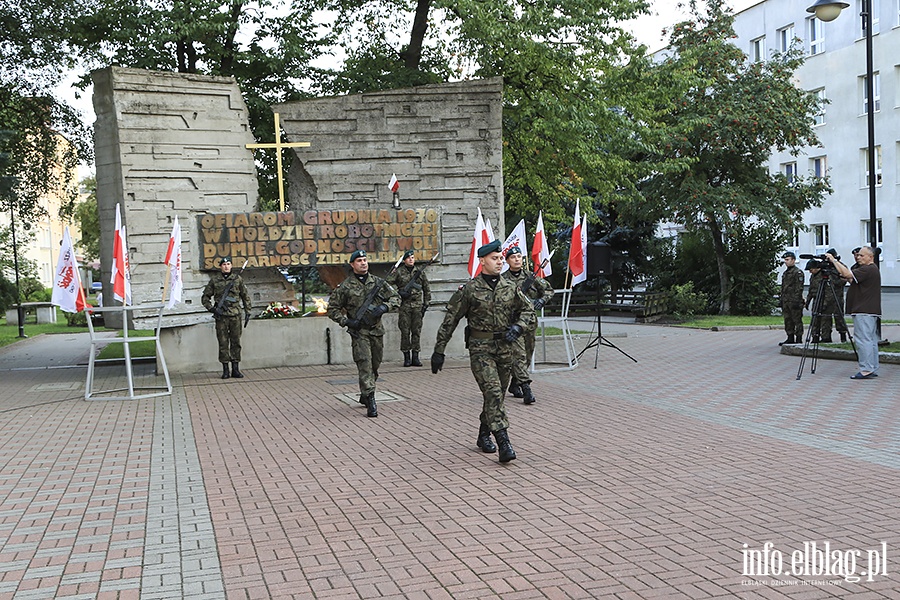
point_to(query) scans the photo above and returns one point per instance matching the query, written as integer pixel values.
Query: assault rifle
(532, 275)
(370, 297)
(217, 313)
(407, 289)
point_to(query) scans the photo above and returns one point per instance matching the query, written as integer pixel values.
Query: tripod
(812, 334)
(600, 340)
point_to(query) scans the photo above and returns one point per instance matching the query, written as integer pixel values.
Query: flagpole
(166, 284)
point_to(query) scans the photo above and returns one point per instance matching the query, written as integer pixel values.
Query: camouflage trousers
(410, 321)
(492, 362)
(793, 319)
(368, 350)
(228, 333)
(524, 349)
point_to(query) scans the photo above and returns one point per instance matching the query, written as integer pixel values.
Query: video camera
(820, 261)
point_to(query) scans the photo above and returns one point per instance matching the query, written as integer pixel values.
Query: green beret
(513, 250)
(357, 254)
(225, 259)
(788, 254)
(408, 253)
(489, 248)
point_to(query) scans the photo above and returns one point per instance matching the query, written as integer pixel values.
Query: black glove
(404, 293)
(246, 319)
(379, 310)
(216, 314)
(539, 303)
(437, 362)
(513, 333)
(353, 324)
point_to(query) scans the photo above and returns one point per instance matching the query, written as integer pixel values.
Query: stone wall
(444, 142)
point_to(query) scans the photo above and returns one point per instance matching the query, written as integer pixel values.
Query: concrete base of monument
(270, 343)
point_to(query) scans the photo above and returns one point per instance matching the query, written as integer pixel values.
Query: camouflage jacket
(238, 294)
(539, 289)
(792, 287)
(347, 297)
(828, 299)
(485, 309)
(420, 291)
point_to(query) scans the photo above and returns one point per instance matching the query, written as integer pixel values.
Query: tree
(88, 218)
(731, 115)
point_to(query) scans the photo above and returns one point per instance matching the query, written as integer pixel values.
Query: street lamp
(828, 10)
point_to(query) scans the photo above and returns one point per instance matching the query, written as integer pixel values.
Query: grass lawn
(138, 349)
(9, 334)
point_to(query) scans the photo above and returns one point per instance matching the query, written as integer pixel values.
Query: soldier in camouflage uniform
(831, 305)
(366, 332)
(498, 313)
(230, 320)
(792, 299)
(415, 294)
(539, 293)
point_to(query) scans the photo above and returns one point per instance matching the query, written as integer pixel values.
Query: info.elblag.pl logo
(816, 560)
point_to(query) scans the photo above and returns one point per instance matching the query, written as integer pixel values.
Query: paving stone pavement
(663, 478)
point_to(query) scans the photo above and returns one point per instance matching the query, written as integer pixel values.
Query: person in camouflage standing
(830, 304)
(229, 318)
(366, 330)
(539, 293)
(415, 297)
(498, 313)
(792, 299)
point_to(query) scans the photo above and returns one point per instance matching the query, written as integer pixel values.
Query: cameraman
(864, 304)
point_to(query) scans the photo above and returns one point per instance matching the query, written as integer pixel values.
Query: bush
(684, 302)
(77, 319)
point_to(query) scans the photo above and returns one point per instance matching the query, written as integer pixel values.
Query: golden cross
(278, 146)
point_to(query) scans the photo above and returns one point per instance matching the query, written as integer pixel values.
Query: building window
(795, 239)
(864, 155)
(821, 234)
(818, 166)
(865, 93)
(876, 13)
(758, 49)
(816, 36)
(790, 171)
(786, 38)
(879, 235)
(820, 116)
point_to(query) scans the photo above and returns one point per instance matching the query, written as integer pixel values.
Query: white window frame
(790, 171)
(758, 49)
(879, 231)
(818, 165)
(865, 93)
(820, 116)
(795, 239)
(879, 171)
(786, 37)
(816, 34)
(821, 236)
(876, 16)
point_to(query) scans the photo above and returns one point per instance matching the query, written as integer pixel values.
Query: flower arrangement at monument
(279, 310)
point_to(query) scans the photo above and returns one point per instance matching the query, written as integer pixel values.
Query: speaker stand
(600, 340)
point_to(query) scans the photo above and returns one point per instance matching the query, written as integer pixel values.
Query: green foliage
(88, 218)
(76, 319)
(34, 291)
(684, 302)
(730, 116)
(7, 293)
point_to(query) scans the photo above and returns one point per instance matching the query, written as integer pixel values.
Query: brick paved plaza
(633, 480)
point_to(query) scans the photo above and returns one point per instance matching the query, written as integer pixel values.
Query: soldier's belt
(475, 334)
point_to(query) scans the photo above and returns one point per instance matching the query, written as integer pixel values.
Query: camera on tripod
(820, 261)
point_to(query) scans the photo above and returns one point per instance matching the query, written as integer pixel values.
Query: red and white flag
(479, 239)
(121, 273)
(489, 231)
(394, 184)
(173, 262)
(516, 238)
(578, 247)
(67, 291)
(540, 251)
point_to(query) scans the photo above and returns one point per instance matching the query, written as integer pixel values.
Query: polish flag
(539, 250)
(121, 274)
(489, 231)
(516, 238)
(479, 239)
(67, 291)
(578, 247)
(395, 183)
(173, 262)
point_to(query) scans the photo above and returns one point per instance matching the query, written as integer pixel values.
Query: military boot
(371, 407)
(235, 371)
(225, 372)
(484, 440)
(515, 389)
(407, 361)
(506, 450)
(527, 394)
(415, 359)
(843, 336)
(789, 340)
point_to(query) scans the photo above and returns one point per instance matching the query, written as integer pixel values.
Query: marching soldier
(223, 296)
(792, 299)
(498, 313)
(539, 292)
(415, 295)
(357, 304)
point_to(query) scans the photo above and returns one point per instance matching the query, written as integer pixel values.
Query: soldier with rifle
(223, 297)
(539, 292)
(415, 295)
(358, 304)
